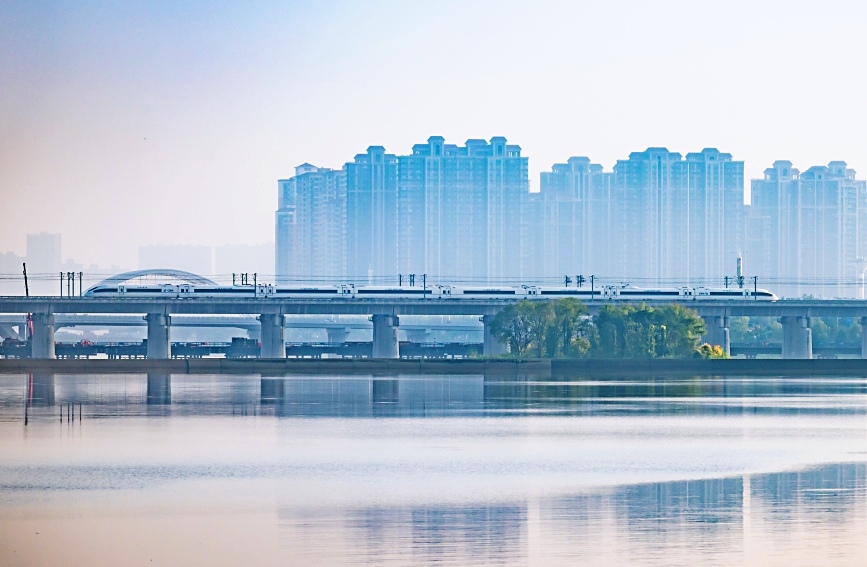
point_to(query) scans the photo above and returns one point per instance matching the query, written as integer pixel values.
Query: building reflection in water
(357, 397)
(699, 395)
(684, 522)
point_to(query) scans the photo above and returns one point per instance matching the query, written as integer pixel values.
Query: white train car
(437, 292)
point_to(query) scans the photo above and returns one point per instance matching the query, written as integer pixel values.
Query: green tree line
(826, 331)
(564, 328)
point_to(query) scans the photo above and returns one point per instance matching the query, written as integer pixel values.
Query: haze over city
(133, 125)
(453, 283)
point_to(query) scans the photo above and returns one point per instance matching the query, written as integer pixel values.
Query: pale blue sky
(133, 123)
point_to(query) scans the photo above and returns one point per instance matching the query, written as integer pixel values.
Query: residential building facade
(808, 230)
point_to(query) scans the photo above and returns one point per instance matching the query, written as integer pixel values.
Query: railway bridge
(385, 313)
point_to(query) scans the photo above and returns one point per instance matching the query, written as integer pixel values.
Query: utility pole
(756, 288)
(592, 287)
(80, 280)
(26, 285)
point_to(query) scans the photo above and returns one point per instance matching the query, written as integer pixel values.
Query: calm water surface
(445, 470)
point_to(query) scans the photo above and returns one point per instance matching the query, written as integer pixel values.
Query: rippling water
(446, 470)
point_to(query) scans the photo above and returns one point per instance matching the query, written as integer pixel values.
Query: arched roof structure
(186, 277)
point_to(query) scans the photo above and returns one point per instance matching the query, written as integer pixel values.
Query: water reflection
(723, 521)
(40, 389)
(159, 389)
(411, 396)
(452, 470)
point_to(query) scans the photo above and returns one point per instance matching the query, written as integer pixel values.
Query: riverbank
(555, 367)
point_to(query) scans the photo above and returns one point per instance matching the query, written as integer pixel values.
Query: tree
(755, 330)
(671, 331)
(683, 329)
(511, 328)
(568, 334)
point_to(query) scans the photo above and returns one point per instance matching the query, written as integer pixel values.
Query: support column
(42, 341)
(271, 390)
(385, 343)
(337, 335)
(797, 337)
(159, 341)
(40, 390)
(273, 335)
(159, 389)
(717, 332)
(492, 346)
(863, 337)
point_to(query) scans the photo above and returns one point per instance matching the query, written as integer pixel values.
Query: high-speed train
(441, 292)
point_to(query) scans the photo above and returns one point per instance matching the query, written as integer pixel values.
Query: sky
(133, 123)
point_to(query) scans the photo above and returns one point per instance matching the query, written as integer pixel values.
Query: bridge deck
(398, 306)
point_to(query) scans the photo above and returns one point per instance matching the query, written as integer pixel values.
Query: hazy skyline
(162, 123)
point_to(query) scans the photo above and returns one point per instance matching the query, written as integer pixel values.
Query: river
(446, 470)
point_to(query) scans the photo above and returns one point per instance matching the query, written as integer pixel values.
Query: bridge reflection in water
(183, 394)
(492, 484)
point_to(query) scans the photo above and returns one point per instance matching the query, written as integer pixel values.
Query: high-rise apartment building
(677, 220)
(575, 208)
(284, 229)
(464, 214)
(371, 217)
(808, 230)
(455, 213)
(460, 210)
(311, 220)
(658, 219)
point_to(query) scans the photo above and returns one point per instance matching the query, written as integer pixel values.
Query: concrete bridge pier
(797, 337)
(159, 389)
(337, 335)
(41, 389)
(159, 336)
(271, 390)
(273, 335)
(417, 335)
(385, 343)
(717, 332)
(42, 341)
(492, 346)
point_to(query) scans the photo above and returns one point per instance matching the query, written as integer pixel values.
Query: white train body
(440, 292)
